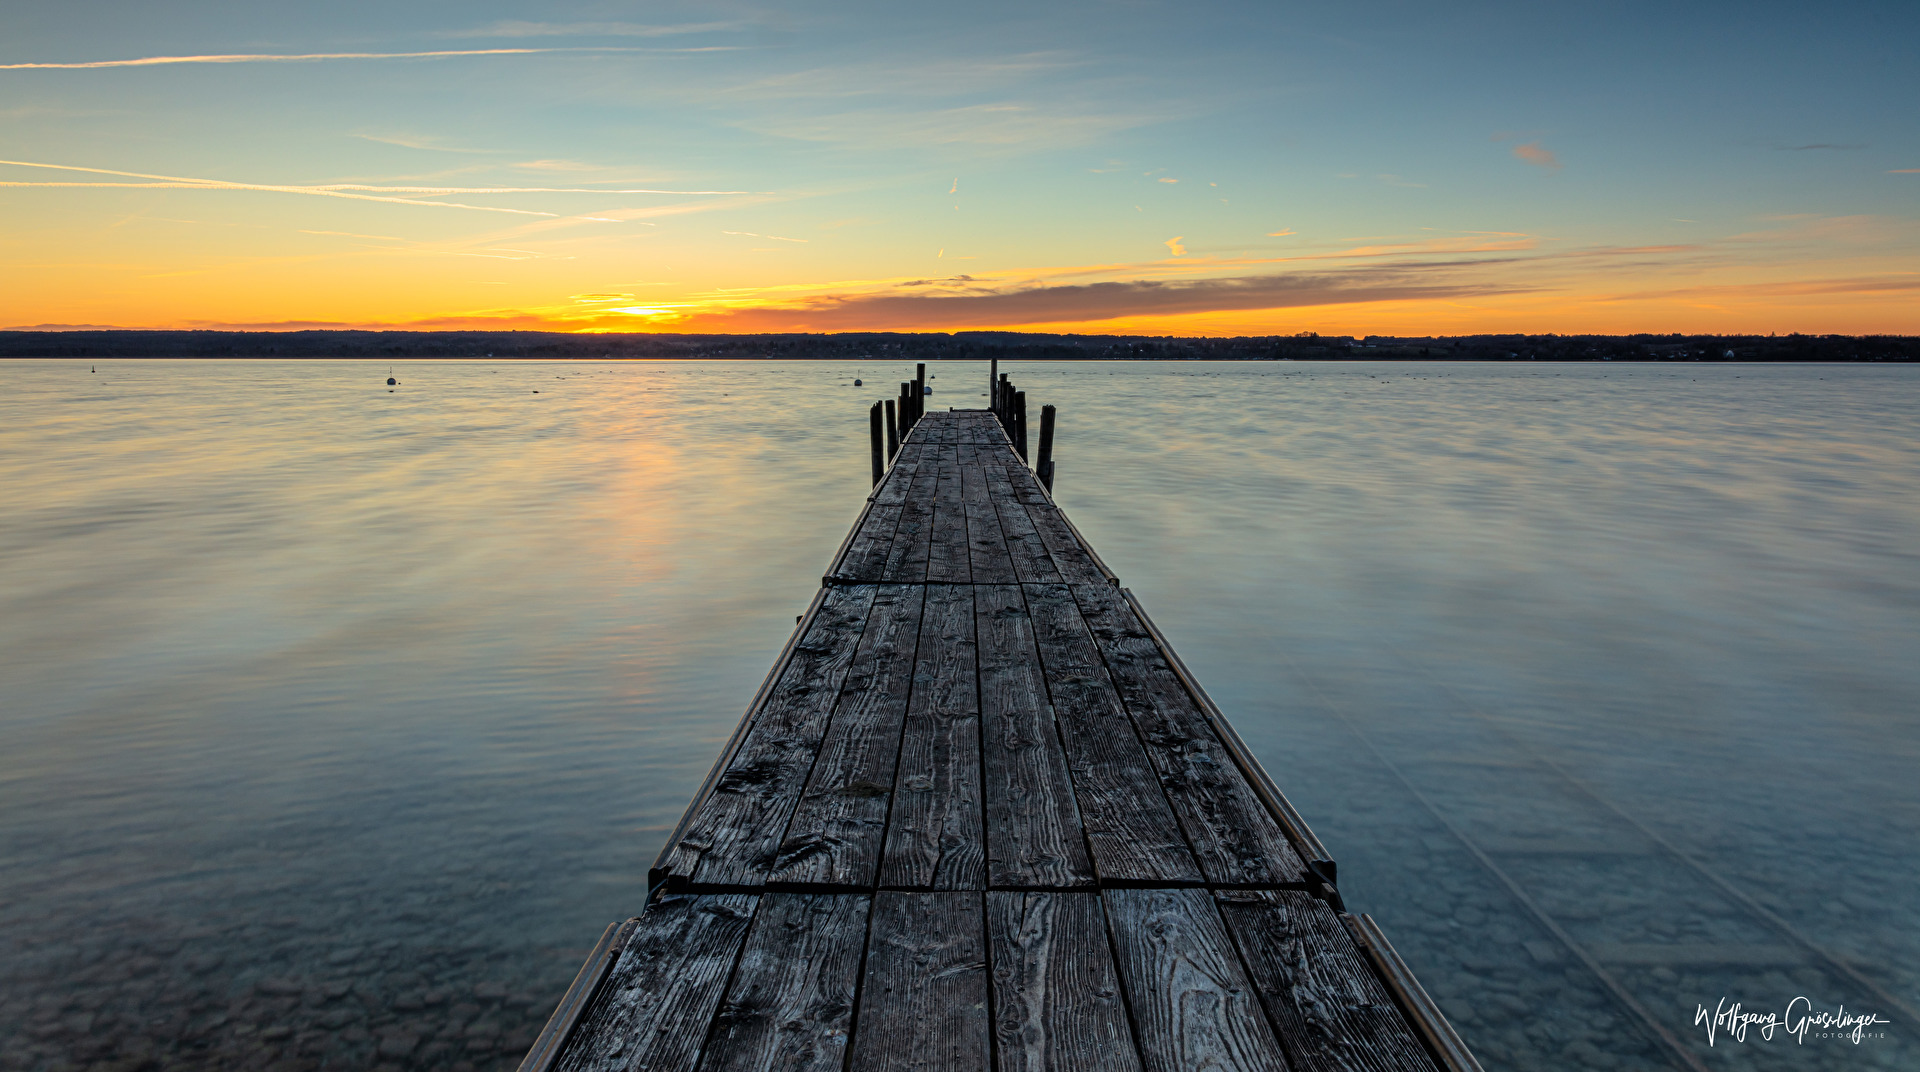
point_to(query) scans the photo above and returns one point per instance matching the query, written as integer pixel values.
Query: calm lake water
(336, 722)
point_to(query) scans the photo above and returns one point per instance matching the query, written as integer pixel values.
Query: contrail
(351, 191)
(268, 57)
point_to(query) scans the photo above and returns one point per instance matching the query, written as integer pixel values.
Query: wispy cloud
(521, 28)
(1534, 154)
(423, 141)
(314, 57)
(350, 191)
(772, 237)
(1173, 245)
(1281, 233)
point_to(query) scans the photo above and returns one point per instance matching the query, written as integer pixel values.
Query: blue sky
(1174, 168)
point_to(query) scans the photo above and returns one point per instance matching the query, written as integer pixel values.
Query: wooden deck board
(839, 826)
(1192, 1004)
(1330, 1011)
(790, 1005)
(1235, 838)
(732, 837)
(657, 1001)
(923, 1001)
(1034, 839)
(1129, 825)
(936, 839)
(1056, 992)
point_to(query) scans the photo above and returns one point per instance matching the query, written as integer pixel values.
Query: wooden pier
(980, 816)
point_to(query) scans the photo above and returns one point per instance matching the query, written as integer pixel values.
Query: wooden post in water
(919, 390)
(876, 436)
(1045, 468)
(1020, 422)
(993, 381)
(893, 432)
(906, 408)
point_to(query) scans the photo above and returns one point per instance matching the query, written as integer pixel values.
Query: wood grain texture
(732, 839)
(907, 558)
(1235, 839)
(1330, 1010)
(935, 836)
(948, 556)
(1193, 1007)
(987, 547)
(923, 997)
(1056, 993)
(839, 827)
(789, 1007)
(1130, 827)
(1073, 562)
(659, 998)
(1034, 838)
(1031, 562)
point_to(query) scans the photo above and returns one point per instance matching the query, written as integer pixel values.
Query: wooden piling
(893, 432)
(1045, 469)
(877, 436)
(1020, 423)
(993, 380)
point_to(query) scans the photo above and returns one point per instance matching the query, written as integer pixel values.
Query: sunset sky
(1124, 166)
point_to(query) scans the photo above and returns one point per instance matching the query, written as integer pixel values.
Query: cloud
(312, 57)
(981, 306)
(520, 28)
(350, 191)
(1533, 154)
(416, 141)
(1282, 233)
(1168, 180)
(1174, 246)
(1905, 171)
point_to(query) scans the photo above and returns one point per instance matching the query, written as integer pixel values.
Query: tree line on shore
(963, 345)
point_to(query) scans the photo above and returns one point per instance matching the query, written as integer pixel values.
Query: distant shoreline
(958, 346)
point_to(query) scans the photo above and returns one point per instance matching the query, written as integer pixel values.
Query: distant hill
(964, 345)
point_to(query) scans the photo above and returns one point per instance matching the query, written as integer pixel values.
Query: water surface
(338, 721)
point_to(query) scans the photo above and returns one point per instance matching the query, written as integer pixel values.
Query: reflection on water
(338, 722)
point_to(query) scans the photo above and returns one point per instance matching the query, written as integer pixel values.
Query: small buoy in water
(536, 392)
(856, 383)
(925, 390)
(391, 381)
(90, 368)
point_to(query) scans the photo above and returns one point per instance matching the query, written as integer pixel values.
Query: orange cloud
(1533, 154)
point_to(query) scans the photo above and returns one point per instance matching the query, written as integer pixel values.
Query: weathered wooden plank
(1056, 992)
(1233, 836)
(659, 998)
(1327, 1006)
(1191, 1002)
(1076, 566)
(907, 559)
(731, 840)
(865, 558)
(790, 1005)
(935, 837)
(923, 999)
(947, 557)
(840, 825)
(1034, 840)
(1031, 562)
(987, 547)
(1130, 828)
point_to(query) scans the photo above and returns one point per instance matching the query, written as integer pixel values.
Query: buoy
(925, 390)
(391, 381)
(856, 383)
